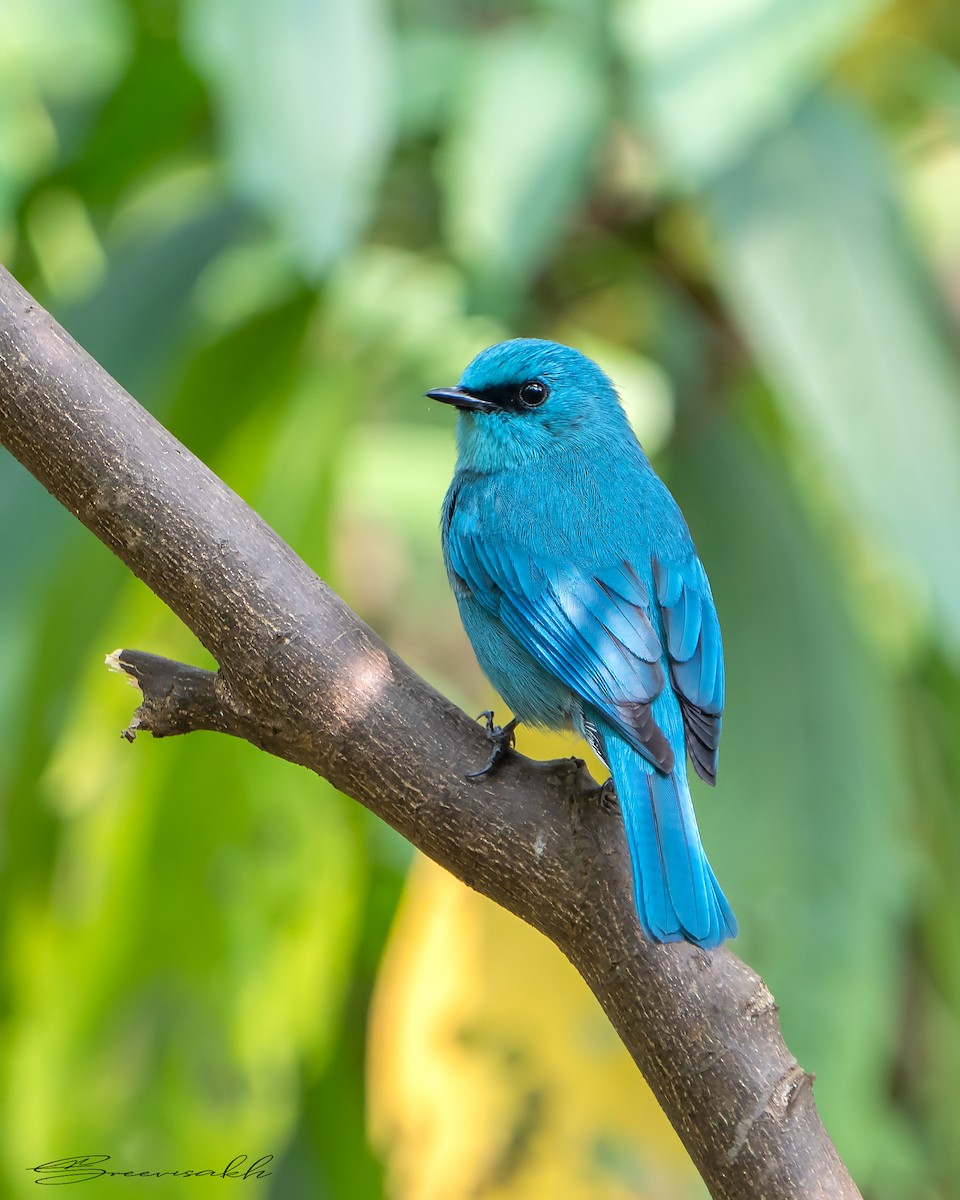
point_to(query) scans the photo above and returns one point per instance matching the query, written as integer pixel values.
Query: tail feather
(677, 894)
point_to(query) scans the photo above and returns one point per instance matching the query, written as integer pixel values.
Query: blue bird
(580, 589)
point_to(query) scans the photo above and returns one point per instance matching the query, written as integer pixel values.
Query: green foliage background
(278, 224)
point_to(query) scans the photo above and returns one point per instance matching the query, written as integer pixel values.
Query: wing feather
(593, 631)
(696, 658)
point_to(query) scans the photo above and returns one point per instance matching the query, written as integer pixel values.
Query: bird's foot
(502, 739)
(607, 796)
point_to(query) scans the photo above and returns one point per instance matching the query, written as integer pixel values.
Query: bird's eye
(533, 392)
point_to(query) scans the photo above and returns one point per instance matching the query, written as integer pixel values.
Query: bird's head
(524, 398)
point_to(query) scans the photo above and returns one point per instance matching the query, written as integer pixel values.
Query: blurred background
(277, 225)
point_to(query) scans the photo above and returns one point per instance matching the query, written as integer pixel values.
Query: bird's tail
(677, 894)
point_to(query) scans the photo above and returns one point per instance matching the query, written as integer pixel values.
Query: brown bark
(302, 677)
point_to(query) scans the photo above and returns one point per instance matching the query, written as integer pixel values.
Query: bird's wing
(696, 657)
(592, 630)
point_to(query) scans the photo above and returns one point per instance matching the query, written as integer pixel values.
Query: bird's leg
(502, 738)
(607, 796)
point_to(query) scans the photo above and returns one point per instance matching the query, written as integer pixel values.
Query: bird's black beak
(460, 398)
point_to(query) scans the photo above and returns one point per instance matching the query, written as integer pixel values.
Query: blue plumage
(587, 607)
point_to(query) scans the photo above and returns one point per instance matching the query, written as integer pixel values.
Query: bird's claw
(503, 739)
(607, 796)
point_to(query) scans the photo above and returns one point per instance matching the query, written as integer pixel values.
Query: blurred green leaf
(429, 70)
(930, 1059)
(56, 50)
(389, 306)
(829, 291)
(231, 378)
(68, 48)
(710, 76)
(518, 154)
(157, 111)
(137, 321)
(303, 92)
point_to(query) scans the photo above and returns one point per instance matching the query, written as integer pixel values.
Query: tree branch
(302, 677)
